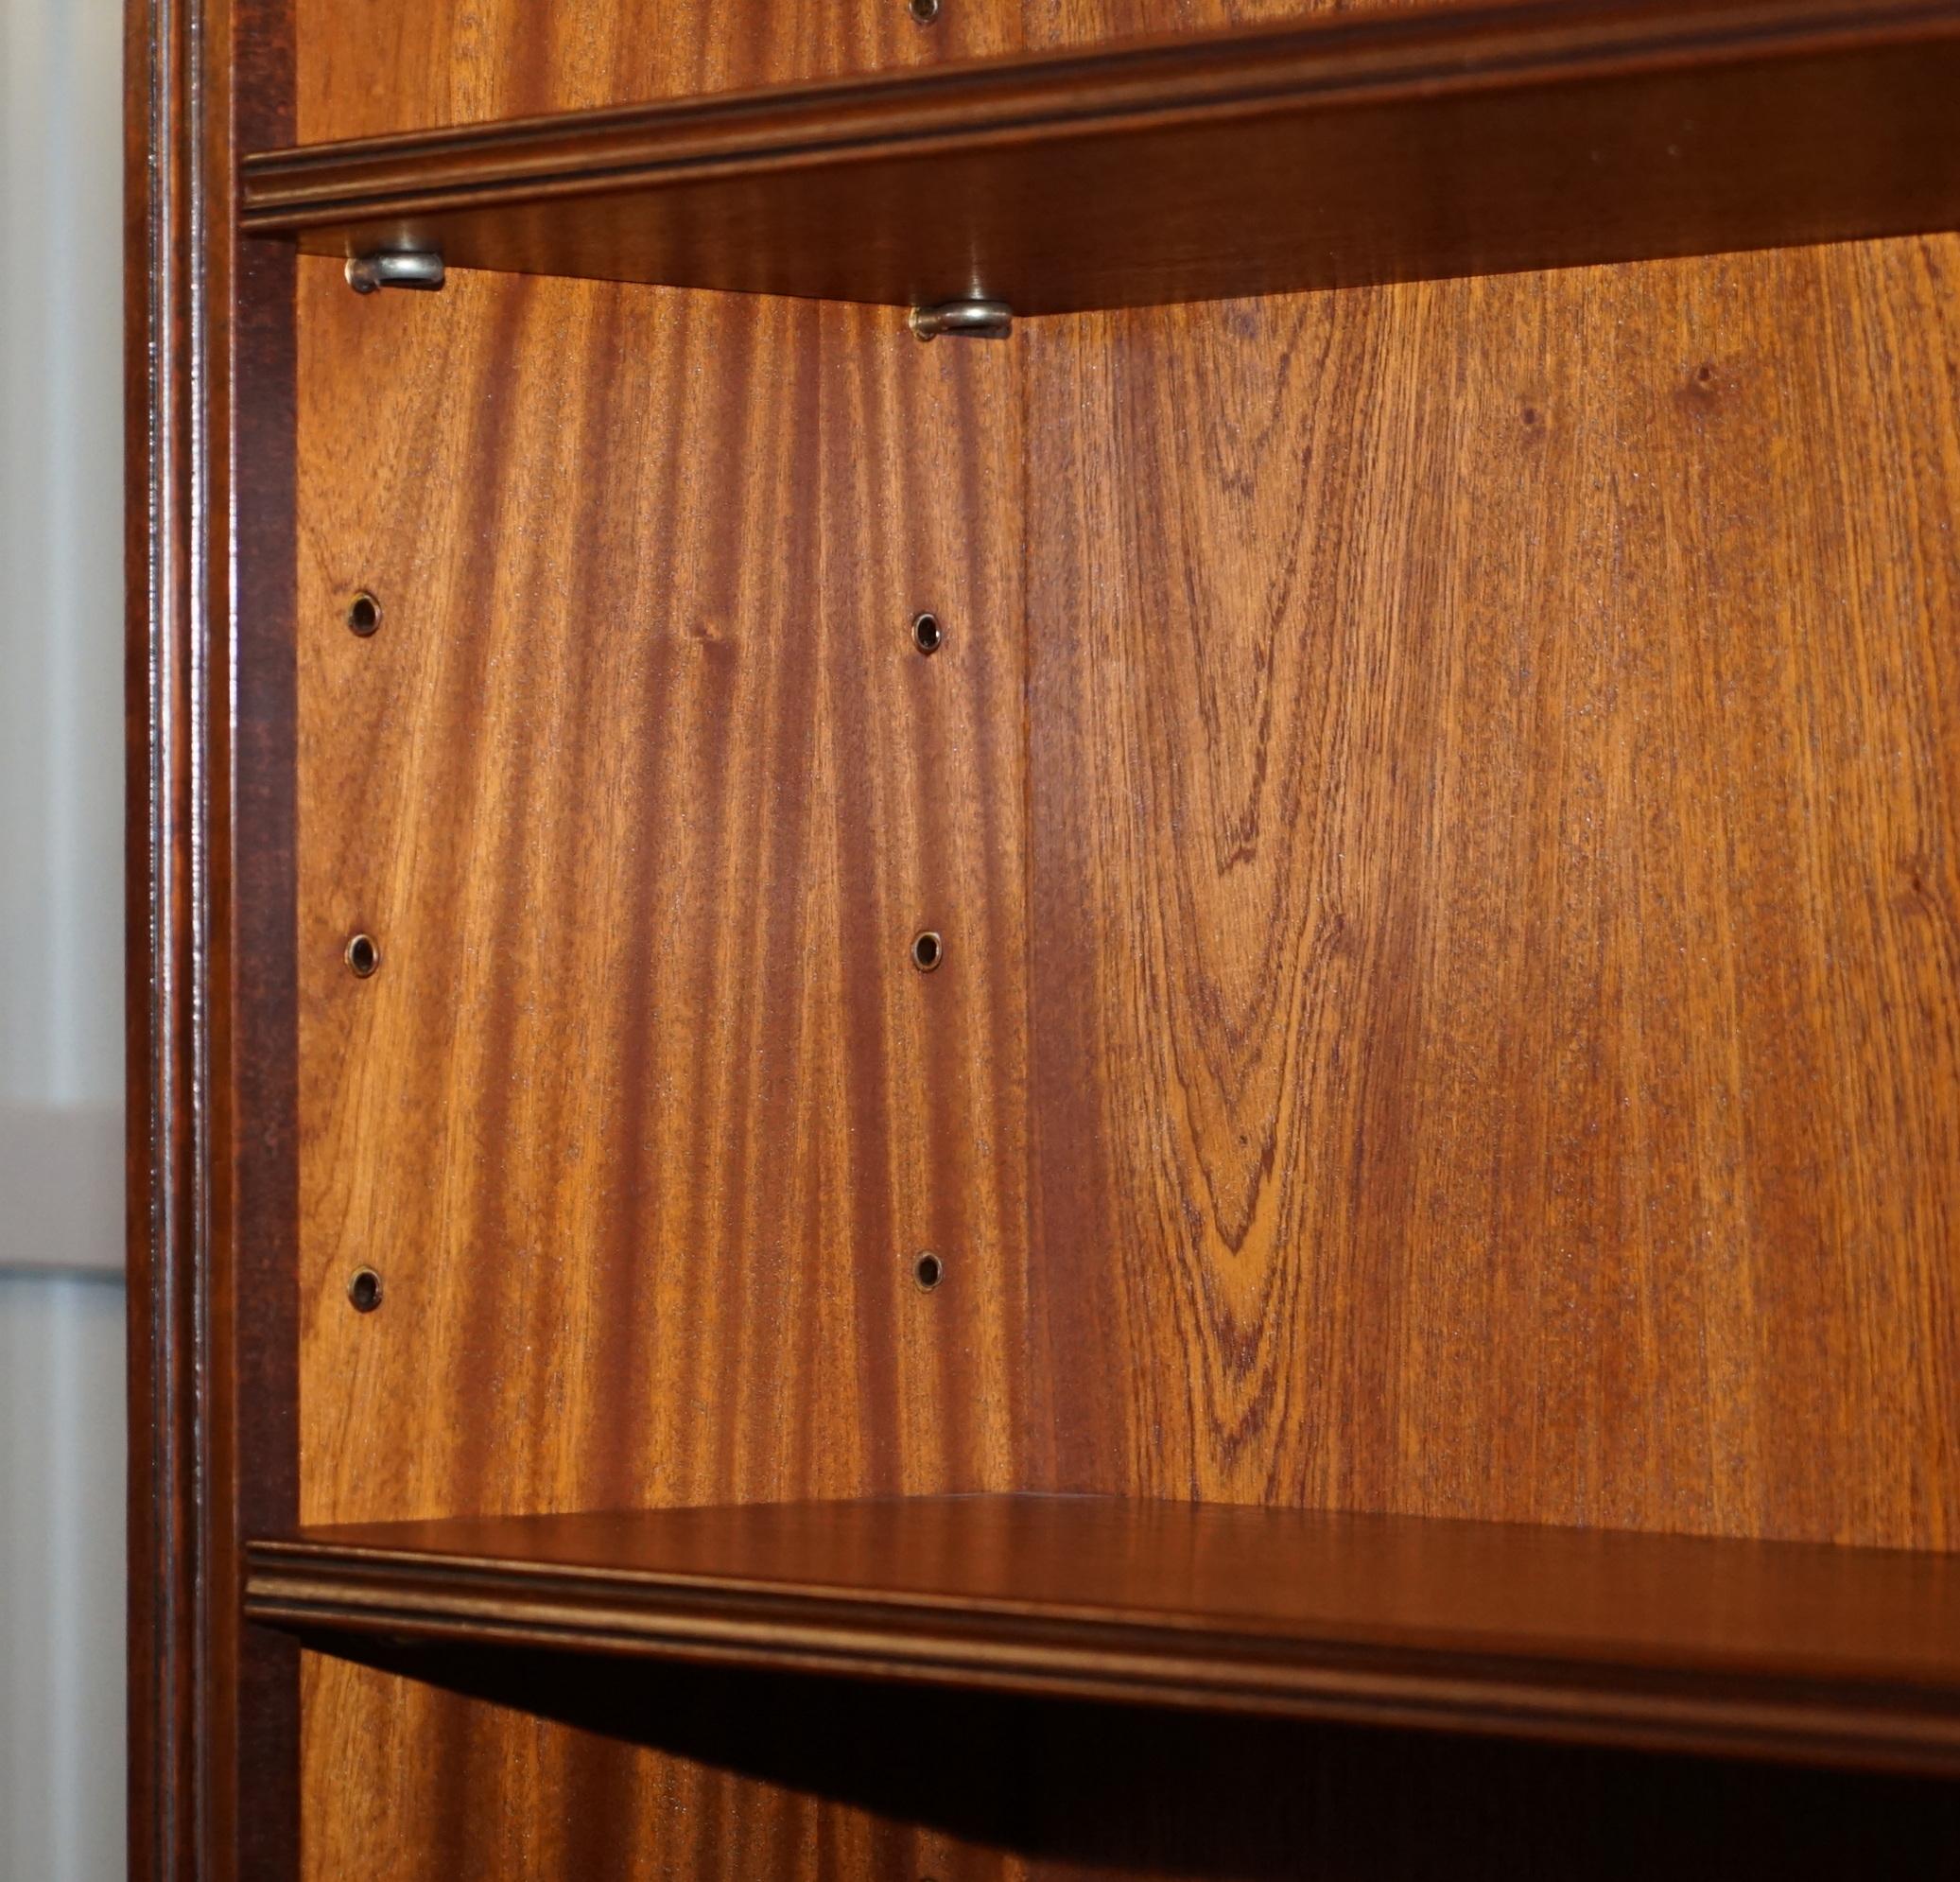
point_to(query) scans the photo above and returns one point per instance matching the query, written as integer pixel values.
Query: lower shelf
(1836, 1656)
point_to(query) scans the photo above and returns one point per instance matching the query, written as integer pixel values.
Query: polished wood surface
(1624, 733)
(644, 791)
(1767, 1650)
(1494, 765)
(212, 1165)
(1482, 1047)
(369, 67)
(1337, 152)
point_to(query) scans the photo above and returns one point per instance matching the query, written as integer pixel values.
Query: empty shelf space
(1345, 150)
(1845, 1656)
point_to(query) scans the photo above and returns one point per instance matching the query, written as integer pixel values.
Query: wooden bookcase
(1385, 1298)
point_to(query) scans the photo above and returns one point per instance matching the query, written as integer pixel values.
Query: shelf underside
(1335, 153)
(1844, 1656)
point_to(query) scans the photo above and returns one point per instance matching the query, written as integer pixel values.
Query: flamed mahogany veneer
(1330, 153)
(1769, 1650)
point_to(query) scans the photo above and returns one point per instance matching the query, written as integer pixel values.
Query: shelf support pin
(398, 268)
(977, 320)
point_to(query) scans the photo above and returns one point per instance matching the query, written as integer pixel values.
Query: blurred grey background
(61, 1301)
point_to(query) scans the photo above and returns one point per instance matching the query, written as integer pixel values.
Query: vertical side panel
(263, 1050)
(643, 790)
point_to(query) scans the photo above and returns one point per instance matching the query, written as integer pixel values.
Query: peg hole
(924, 11)
(363, 956)
(928, 951)
(929, 1271)
(364, 1290)
(928, 635)
(363, 614)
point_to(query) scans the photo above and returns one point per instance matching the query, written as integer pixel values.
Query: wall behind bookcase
(61, 1299)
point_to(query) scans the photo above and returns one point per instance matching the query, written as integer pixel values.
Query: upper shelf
(1848, 1656)
(1347, 150)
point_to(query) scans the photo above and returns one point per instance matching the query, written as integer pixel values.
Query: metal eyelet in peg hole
(362, 955)
(928, 636)
(929, 951)
(364, 1290)
(928, 1270)
(977, 320)
(404, 268)
(924, 11)
(363, 614)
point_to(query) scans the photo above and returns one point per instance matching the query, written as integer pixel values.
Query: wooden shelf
(1339, 152)
(1781, 1650)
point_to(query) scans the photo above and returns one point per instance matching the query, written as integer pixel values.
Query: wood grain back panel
(369, 66)
(1059, 23)
(1494, 789)
(366, 67)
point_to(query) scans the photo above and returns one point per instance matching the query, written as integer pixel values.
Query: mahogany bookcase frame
(213, 1144)
(210, 855)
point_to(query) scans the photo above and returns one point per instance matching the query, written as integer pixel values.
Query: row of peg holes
(929, 949)
(363, 952)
